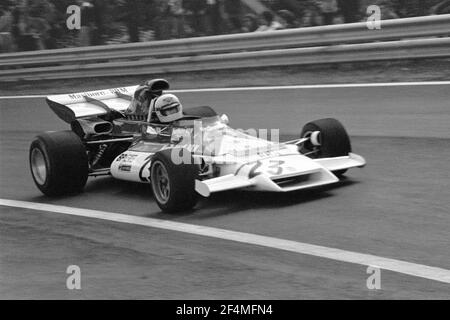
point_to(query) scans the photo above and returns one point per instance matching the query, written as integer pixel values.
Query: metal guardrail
(337, 43)
(406, 49)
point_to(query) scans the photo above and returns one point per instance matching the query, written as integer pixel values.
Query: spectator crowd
(41, 24)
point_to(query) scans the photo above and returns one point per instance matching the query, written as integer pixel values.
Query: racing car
(192, 157)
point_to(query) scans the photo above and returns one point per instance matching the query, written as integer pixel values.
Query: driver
(165, 109)
(168, 108)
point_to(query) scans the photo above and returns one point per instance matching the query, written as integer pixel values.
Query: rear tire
(58, 163)
(173, 184)
(334, 140)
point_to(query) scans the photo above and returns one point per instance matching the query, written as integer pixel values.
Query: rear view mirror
(224, 118)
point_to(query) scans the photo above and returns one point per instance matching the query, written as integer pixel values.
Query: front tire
(332, 140)
(173, 184)
(58, 163)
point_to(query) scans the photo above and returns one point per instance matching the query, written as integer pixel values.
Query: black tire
(63, 161)
(334, 140)
(202, 112)
(181, 195)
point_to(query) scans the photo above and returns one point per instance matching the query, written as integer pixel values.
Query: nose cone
(287, 173)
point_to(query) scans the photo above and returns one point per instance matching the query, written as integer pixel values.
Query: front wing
(313, 176)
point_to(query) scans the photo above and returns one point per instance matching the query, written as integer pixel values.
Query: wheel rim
(160, 182)
(309, 148)
(38, 166)
(309, 134)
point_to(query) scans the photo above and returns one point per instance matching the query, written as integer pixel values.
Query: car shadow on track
(104, 188)
(219, 204)
(235, 201)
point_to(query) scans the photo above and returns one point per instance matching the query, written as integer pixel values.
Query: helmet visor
(170, 109)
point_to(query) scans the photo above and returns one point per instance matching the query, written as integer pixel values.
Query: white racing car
(196, 155)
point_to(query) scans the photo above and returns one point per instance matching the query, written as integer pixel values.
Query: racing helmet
(168, 108)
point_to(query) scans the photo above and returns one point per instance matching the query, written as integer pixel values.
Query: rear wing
(102, 102)
(70, 107)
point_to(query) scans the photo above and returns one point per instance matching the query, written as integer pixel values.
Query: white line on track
(412, 269)
(319, 86)
(293, 87)
(22, 97)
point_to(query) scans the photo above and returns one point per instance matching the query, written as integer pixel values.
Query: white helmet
(168, 108)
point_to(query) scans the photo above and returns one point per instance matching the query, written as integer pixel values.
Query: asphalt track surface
(397, 207)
